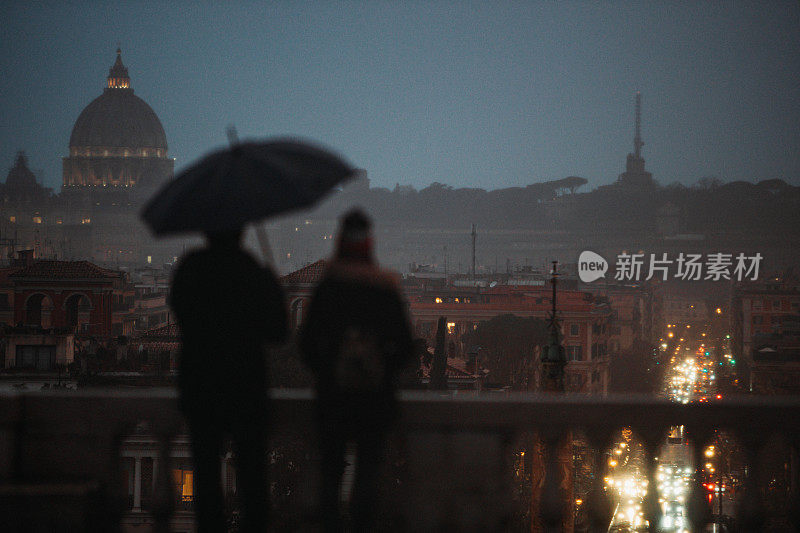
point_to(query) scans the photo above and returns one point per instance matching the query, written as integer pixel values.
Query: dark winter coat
(357, 308)
(227, 308)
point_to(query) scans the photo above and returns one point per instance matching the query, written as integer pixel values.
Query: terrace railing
(61, 453)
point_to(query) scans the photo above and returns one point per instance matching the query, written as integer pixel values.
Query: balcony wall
(61, 452)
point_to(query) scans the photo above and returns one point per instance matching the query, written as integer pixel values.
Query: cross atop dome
(118, 74)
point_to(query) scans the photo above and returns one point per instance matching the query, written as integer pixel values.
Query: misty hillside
(707, 207)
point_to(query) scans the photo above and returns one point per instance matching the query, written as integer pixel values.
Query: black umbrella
(248, 182)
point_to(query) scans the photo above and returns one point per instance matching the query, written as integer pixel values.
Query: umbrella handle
(263, 243)
(233, 135)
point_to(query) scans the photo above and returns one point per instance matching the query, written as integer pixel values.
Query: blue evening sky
(472, 94)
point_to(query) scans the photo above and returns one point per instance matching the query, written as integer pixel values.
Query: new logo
(591, 266)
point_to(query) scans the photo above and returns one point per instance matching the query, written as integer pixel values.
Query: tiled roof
(168, 330)
(456, 369)
(308, 274)
(161, 339)
(63, 270)
(160, 346)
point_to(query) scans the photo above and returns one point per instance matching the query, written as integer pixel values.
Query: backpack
(360, 365)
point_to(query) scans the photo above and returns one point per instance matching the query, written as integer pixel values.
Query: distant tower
(635, 176)
(553, 357)
(474, 233)
(637, 139)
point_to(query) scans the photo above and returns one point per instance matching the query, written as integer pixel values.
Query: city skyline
(470, 96)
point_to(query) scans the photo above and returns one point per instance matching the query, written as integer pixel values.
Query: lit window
(451, 326)
(86, 220)
(187, 494)
(12, 219)
(149, 259)
(184, 483)
(37, 220)
(438, 300)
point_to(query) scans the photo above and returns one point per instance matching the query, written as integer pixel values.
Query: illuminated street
(628, 484)
(691, 375)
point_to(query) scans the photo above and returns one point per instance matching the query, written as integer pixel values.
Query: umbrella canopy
(248, 182)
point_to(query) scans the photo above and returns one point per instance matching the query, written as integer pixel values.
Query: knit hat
(355, 237)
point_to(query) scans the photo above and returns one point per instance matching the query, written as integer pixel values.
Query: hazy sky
(472, 94)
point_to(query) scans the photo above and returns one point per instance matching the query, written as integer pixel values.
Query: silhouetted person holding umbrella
(228, 308)
(356, 339)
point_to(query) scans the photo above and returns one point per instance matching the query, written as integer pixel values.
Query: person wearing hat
(356, 339)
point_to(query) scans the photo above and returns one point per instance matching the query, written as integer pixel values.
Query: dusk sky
(471, 94)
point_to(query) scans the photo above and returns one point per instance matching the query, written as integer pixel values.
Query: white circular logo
(591, 266)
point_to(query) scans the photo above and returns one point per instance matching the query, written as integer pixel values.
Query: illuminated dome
(118, 119)
(118, 140)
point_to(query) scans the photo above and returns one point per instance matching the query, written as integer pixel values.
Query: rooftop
(308, 274)
(168, 331)
(58, 270)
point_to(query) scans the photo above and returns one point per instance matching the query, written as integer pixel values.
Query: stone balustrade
(61, 453)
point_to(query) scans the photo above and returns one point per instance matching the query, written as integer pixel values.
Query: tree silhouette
(510, 343)
(439, 367)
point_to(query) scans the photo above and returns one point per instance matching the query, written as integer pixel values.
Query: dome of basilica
(117, 142)
(118, 122)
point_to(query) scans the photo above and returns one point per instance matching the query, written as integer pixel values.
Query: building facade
(585, 322)
(765, 332)
(117, 158)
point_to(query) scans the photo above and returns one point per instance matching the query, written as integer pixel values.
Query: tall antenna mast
(637, 140)
(473, 251)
